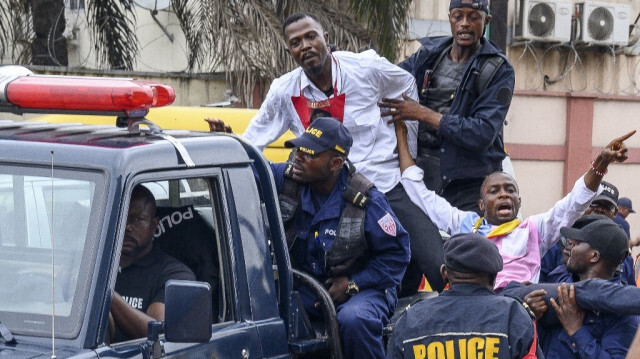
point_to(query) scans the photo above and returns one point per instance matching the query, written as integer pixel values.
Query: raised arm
(615, 151)
(442, 213)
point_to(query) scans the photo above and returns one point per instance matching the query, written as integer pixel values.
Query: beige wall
(536, 120)
(540, 185)
(541, 119)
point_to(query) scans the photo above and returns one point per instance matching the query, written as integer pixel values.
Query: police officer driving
(341, 230)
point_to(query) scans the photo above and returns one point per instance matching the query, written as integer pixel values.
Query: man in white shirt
(348, 86)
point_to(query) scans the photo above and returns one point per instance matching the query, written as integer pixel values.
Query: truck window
(38, 212)
(188, 230)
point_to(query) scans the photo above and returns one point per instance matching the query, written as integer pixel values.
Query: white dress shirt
(365, 79)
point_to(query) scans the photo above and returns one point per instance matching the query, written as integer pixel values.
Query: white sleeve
(442, 213)
(393, 82)
(563, 213)
(271, 121)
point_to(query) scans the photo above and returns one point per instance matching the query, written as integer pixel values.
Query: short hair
(496, 173)
(142, 192)
(297, 17)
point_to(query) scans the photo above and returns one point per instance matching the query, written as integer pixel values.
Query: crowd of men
(388, 156)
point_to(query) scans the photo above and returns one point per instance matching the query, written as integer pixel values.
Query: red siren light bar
(37, 93)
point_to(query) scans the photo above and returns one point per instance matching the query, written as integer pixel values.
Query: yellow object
(187, 118)
(501, 229)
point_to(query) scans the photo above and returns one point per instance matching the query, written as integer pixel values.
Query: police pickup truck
(64, 197)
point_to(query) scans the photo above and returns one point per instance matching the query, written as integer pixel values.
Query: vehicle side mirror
(188, 310)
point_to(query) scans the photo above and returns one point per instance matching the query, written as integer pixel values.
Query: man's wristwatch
(352, 287)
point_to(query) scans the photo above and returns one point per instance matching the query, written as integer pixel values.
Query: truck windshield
(38, 212)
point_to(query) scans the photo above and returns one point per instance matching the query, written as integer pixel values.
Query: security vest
(349, 250)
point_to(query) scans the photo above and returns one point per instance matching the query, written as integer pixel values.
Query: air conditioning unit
(543, 21)
(603, 23)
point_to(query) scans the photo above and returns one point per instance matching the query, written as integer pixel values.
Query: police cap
(472, 253)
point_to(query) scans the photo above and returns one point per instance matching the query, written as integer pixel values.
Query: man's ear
(336, 163)
(326, 37)
(595, 256)
(487, 20)
(444, 274)
(481, 205)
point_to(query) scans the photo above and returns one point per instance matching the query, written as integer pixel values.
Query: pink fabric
(520, 250)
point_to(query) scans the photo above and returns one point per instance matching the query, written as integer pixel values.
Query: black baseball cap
(609, 194)
(603, 235)
(325, 133)
(472, 253)
(474, 4)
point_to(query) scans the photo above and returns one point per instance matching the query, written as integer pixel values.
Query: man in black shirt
(144, 270)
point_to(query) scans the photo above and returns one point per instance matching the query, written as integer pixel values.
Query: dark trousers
(426, 243)
(464, 194)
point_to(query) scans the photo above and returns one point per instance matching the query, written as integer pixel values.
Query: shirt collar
(148, 260)
(306, 82)
(467, 289)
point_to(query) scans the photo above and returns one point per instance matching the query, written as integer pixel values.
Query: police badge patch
(387, 224)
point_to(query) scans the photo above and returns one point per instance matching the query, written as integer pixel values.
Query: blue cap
(474, 4)
(325, 133)
(626, 202)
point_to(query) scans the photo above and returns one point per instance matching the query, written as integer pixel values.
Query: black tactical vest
(348, 253)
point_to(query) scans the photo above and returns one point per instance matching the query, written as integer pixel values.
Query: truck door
(210, 221)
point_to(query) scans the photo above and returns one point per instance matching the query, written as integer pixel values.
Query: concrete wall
(552, 138)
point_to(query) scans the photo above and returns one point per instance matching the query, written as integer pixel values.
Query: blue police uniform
(602, 336)
(467, 321)
(622, 223)
(363, 316)
(627, 274)
(550, 261)
(559, 274)
(553, 271)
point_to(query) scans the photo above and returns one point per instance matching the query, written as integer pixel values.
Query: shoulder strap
(348, 252)
(357, 192)
(488, 69)
(443, 53)
(289, 199)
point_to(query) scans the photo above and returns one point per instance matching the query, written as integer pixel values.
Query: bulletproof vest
(348, 252)
(439, 98)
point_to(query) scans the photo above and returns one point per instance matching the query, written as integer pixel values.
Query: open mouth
(505, 209)
(465, 35)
